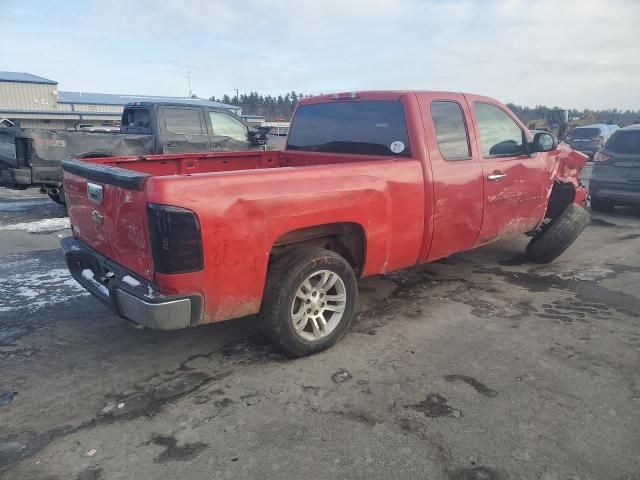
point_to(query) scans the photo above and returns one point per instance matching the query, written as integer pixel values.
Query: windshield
(584, 133)
(365, 128)
(625, 141)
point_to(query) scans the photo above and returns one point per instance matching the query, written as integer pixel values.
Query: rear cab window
(451, 130)
(351, 127)
(183, 121)
(500, 135)
(136, 120)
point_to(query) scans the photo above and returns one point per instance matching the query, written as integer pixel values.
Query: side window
(183, 121)
(224, 125)
(499, 134)
(451, 130)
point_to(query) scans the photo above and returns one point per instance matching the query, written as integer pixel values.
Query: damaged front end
(566, 166)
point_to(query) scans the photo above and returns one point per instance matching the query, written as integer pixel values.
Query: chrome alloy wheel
(318, 305)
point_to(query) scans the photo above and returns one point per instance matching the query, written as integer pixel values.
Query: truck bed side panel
(244, 213)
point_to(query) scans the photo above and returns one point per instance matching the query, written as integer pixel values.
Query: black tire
(284, 278)
(601, 204)
(559, 235)
(58, 198)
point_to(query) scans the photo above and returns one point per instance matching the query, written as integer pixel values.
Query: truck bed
(202, 163)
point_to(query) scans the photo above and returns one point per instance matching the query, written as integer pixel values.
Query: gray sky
(573, 54)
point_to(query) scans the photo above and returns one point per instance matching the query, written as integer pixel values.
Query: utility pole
(237, 98)
(189, 82)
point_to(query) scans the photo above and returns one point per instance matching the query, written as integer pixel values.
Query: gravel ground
(479, 366)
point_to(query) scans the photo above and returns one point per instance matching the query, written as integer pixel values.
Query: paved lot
(480, 366)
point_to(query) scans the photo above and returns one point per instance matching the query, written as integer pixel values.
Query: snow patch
(34, 291)
(39, 226)
(130, 281)
(88, 275)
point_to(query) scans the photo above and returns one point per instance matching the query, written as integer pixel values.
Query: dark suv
(590, 138)
(616, 171)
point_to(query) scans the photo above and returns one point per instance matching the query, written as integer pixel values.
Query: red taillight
(601, 157)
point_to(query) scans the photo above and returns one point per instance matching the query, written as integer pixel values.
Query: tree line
(614, 116)
(280, 107)
(274, 108)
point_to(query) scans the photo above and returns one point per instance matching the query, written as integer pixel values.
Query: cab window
(500, 136)
(224, 125)
(183, 121)
(451, 130)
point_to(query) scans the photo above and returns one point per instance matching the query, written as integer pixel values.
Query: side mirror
(257, 137)
(544, 142)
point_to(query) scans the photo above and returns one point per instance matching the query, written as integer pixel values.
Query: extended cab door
(456, 172)
(183, 130)
(514, 181)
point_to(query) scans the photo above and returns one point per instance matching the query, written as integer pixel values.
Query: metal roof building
(35, 101)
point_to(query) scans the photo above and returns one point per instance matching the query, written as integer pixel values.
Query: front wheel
(559, 235)
(309, 300)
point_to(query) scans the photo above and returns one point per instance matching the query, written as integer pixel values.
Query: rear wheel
(559, 235)
(601, 204)
(58, 198)
(309, 300)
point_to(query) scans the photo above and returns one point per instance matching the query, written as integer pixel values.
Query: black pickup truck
(31, 157)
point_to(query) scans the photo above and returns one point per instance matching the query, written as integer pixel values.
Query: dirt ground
(480, 366)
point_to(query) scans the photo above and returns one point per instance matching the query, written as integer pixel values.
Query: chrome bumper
(126, 293)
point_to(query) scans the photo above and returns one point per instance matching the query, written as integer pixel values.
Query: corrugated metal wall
(36, 97)
(29, 96)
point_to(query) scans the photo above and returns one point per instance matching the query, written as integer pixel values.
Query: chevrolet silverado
(369, 182)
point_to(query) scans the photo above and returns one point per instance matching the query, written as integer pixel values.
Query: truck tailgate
(108, 211)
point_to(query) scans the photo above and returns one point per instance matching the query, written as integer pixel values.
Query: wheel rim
(318, 305)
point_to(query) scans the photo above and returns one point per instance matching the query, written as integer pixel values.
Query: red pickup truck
(369, 182)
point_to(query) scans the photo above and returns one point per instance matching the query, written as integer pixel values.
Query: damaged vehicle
(31, 157)
(369, 182)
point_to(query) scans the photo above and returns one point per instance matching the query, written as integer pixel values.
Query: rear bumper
(15, 177)
(126, 293)
(613, 192)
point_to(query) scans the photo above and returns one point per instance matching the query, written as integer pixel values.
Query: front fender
(568, 164)
(565, 168)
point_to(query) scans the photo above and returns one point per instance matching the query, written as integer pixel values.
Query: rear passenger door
(457, 173)
(183, 130)
(515, 183)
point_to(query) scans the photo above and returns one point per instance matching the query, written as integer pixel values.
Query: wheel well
(346, 239)
(562, 195)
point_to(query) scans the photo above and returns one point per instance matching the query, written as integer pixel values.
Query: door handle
(172, 145)
(495, 176)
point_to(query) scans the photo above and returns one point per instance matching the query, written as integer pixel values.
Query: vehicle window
(183, 121)
(364, 128)
(225, 125)
(499, 134)
(451, 130)
(584, 133)
(137, 118)
(624, 141)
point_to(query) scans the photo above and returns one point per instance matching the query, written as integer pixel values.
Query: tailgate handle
(95, 192)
